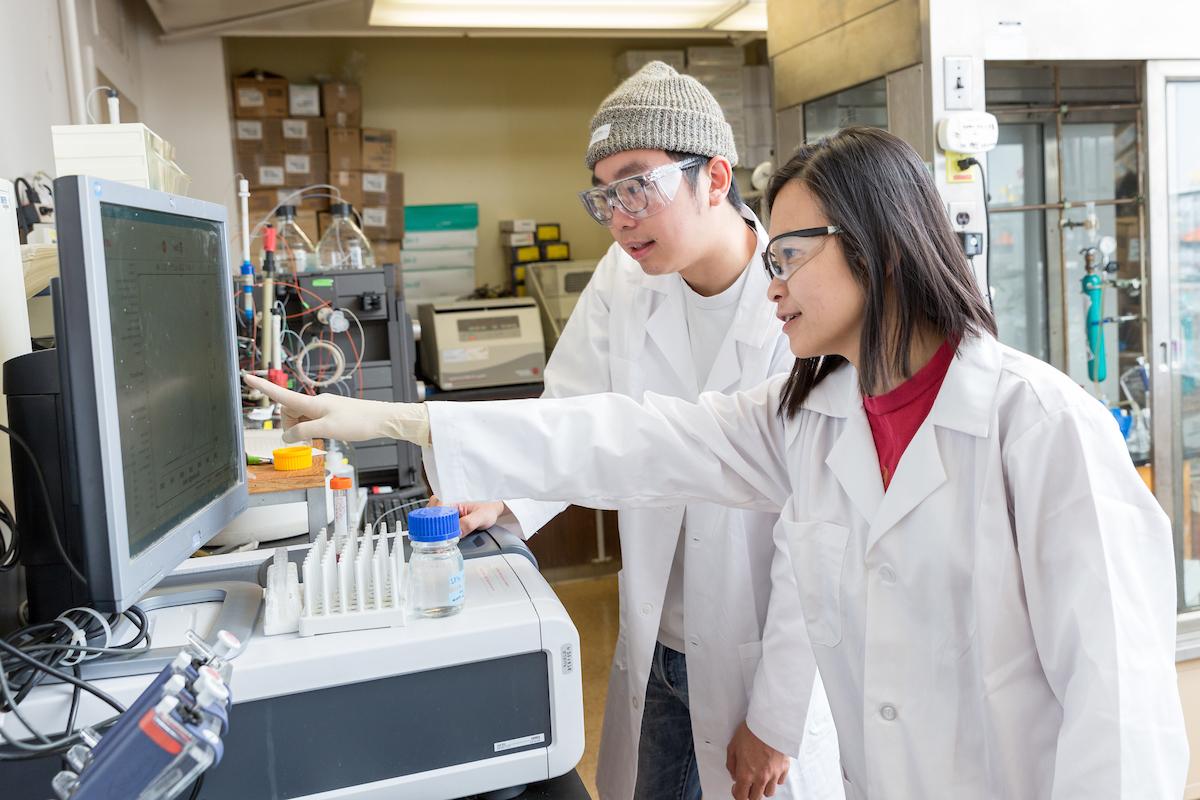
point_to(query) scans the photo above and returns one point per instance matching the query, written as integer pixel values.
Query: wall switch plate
(957, 72)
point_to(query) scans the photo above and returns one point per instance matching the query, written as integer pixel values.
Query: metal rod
(1121, 201)
(1063, 109)
(1062, 231)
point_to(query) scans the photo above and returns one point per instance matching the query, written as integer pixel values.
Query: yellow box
(548, 232)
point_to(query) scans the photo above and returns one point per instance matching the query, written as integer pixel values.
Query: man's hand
(756, 767)
(331, 416)
(475, 516)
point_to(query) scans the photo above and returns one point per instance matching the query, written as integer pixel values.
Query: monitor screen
(178, 418)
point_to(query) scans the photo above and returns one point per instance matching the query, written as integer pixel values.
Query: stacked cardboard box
(760, 116)
(438, 254)
(280, 143)
(527, 241)
(720, 70)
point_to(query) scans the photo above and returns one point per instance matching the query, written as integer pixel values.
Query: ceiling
(181, 19)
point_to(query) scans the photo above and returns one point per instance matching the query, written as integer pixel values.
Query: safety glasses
(639, 196)
(790, 251)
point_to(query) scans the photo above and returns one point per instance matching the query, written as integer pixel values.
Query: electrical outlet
(960, 214)
(957, 72)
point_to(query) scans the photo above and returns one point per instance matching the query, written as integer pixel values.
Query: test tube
(341, 509)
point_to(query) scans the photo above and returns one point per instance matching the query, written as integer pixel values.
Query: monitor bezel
(90, 364)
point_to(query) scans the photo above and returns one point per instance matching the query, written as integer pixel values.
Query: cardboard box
(438, 259)
(444, 240)
(383, 222)
(517, 239)
(304, 100)
(386, 253)
(384, 189)
(258, 95)
(720, 55)
(524, 255)
(345, 148)
(349, 183)
(307, 220)
(303, 169)
(252, 136)
(548, 232)
(341, 104)
(262, 200)
(556, 251)
(303, 135)
(378, 149)
(262, 169)
(311, 201)
(518, 226)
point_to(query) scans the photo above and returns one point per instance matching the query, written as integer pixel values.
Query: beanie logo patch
(600, 134)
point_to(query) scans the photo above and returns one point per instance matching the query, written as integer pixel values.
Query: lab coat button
(887, 574)
(637, 702)
(694, 642)
(888, 712)
(646, 609)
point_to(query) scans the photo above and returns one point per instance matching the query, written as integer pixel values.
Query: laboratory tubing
(437, 582)
(295, 252)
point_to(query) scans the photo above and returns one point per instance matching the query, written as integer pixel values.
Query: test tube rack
(349, 583)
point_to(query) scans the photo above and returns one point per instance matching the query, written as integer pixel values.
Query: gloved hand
(476, 516)
(332, 416)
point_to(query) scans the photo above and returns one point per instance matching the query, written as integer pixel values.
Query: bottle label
(298, 163)
(356, 256)
(374, 217)
(374, 181)
(249, 129)
(295, 129)
(250, 98)
(457, 590)
(270, 176)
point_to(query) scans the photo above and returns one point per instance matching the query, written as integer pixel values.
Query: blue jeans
(666, 755)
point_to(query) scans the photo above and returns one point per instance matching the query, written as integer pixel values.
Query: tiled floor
(592, 604)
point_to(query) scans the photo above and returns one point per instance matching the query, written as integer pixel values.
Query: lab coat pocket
(818, 551)
(749, 654)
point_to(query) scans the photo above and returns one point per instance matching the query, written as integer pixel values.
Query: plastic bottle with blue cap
(437, 583)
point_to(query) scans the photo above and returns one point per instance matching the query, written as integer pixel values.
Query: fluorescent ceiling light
(751, 18)
(567, 14)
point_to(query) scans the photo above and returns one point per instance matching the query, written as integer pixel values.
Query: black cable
(10, 546)
(967, 163)
(196, 787)
(50, 518)
(62, 676)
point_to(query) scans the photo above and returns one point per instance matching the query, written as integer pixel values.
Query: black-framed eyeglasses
(790, 251)
(639, 196)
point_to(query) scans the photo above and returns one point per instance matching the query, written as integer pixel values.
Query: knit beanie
(658, 109)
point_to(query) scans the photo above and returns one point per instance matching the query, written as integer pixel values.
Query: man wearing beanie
(713, 687)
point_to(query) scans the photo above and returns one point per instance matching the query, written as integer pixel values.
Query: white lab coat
(999, 624)
(629, 334)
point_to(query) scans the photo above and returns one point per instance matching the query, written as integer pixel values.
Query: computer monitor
(135, 415)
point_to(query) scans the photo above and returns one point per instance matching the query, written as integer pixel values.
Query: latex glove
(476, 516)
(755, 766)
(332, 416)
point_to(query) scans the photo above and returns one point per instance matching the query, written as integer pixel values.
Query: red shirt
(896, 416)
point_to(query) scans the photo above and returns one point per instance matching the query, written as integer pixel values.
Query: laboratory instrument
(482, 343)
(556, 286)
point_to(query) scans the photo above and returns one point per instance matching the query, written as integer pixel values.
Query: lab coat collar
(964, 403)
(751, 326)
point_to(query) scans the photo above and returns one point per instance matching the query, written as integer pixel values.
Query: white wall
(179, 90)
(33, 86)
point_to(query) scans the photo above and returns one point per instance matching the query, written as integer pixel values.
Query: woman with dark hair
(987, 584)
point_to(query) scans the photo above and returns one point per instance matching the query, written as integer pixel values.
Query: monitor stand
(240, 602)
